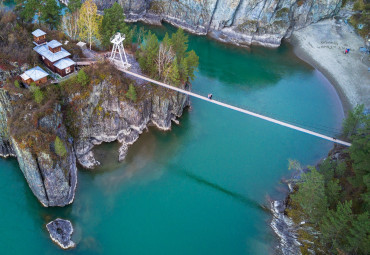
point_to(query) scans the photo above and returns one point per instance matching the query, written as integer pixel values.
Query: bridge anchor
(117, 41)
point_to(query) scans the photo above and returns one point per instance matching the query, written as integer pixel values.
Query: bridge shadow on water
(250, 203)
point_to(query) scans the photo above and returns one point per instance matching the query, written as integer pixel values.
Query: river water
(200, 188)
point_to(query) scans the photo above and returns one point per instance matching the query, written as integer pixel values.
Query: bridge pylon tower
(118, 48)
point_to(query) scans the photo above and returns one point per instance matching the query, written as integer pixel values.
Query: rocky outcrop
(6, 148)
(241, 22)
(107, 117)
(28, 130)
(52, 179)
(60, 232)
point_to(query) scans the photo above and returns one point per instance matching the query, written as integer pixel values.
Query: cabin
(36, 75)
(56, 58)
(39, 37)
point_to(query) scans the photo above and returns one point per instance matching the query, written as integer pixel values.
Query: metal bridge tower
(117, 41)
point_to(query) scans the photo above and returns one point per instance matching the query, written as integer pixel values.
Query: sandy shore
(322, 45)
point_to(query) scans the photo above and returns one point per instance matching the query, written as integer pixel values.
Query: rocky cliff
(94, 113)
(241, 22)
(106, 116)
(52, 179)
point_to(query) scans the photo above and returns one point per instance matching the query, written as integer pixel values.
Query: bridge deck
(281, 123)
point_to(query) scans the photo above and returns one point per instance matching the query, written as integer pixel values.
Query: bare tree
(166, 56)
(70, 24)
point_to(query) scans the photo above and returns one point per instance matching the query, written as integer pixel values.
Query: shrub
(131, 93)
(59, 147)
(83, 78)
(16, 84)
(38, 95)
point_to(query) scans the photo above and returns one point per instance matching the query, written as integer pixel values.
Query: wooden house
(36, 75)
(39, 37)
(56, 58)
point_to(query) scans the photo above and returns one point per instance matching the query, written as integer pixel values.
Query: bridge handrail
(332, 139)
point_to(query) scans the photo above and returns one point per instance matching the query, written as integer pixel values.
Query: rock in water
(60, 232)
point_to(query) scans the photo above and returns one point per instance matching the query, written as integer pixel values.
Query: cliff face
(106, 116)
(241, 22)
(52, 179)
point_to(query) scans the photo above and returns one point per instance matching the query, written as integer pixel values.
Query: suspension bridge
(123, 66)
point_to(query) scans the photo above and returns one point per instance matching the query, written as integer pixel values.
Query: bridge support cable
(278, 122)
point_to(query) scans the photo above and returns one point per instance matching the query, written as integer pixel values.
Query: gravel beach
(323, 45)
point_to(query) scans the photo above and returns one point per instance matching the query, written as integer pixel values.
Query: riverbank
(322, 45)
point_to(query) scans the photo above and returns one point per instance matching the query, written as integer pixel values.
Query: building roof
(53, 44)
(35, 74)
(44, 51)
(64, 63)
(38, 33)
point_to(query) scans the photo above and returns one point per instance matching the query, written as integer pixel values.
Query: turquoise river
(200, 188)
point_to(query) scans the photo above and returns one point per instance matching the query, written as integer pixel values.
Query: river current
(200, 188)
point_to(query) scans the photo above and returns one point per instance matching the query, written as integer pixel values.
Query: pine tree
(29, 9)
(353, 120)
(38, 95)
(183, 70)
(148, 54)
(333, 192)
(311, 195)
(360, 154)
(174, 74)
(83, 78)
(50, 13)
(166, 40)
(74, 5)
(334, 224)
(89, 22)
(114, 21)
(59, 147)
(179, 43)
(192, 61)
(16, 84)
(131, 93)
(359, 235)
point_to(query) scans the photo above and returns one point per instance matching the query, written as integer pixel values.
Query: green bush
(83, 78)
(38, 95)
(59, 147)
(131, 93)
(16, 84)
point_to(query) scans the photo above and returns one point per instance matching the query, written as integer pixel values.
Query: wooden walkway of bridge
(231, 107)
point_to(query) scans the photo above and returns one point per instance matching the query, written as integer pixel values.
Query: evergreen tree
(38, 95)
(174, 74)
(353, 120)
(359, 235)
(83, 78)
(333, 192)
(183, 70)
(131, 93)
(334, 226)
(50, 13)
(28, 9)
(311, 195)
(192, 62)
(149, 51)
(114, 21)
(166, 40)
(16, 84)
(59, 147)
(74, 5)
(179, 43)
